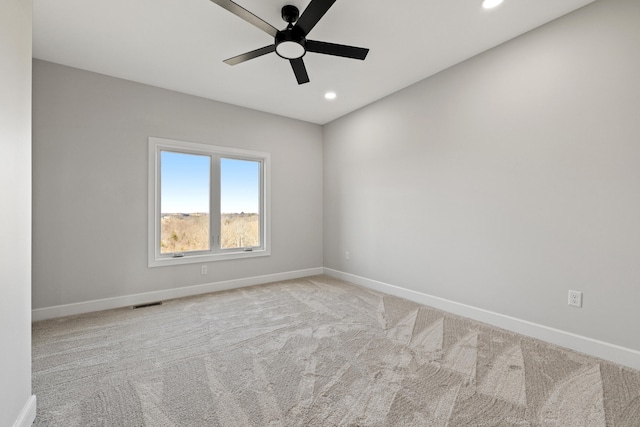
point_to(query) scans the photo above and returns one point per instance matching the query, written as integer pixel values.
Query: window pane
(239, 203)
(184, 202)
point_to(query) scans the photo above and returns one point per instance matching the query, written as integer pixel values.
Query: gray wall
(15, 214)
(90, 184)
(504, 181)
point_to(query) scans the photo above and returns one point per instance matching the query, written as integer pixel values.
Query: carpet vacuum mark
(314, 352)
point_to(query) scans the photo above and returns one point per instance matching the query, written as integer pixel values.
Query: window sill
(193, 259)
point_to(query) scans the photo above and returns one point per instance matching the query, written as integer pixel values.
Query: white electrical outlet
(575, 298)
(347, 255)
(203, 269)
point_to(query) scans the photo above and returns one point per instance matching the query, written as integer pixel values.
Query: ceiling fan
(291, 43)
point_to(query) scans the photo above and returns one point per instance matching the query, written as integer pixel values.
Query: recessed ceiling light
(490, 4)
(330, 95)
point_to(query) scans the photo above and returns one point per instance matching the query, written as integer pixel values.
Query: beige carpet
(314, 352)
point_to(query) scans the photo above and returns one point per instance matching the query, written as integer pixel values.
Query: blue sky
(240, 190)
(185, 184)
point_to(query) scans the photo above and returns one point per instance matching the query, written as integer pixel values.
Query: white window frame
(215, 253)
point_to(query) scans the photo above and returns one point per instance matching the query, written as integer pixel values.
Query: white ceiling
(180, 45)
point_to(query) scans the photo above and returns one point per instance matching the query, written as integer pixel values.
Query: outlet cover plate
(575, 298)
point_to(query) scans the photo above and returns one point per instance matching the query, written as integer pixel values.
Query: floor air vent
(151, 304)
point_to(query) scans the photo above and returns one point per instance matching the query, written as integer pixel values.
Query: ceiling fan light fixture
(490, 4)
(290, 44)
(290, 50)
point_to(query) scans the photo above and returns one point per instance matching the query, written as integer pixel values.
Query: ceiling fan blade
(336, 49)
(250, 55)
(299, 70)
(312, 14)
(243, 13)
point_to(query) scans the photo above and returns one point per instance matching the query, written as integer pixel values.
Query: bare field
(190, 232)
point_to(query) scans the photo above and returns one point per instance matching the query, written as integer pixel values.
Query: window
(206, 203)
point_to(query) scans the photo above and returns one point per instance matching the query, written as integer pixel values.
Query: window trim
(215, 253)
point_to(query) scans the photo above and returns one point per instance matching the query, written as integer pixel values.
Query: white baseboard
(28, 414)
(611, 352)
(147, 297)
